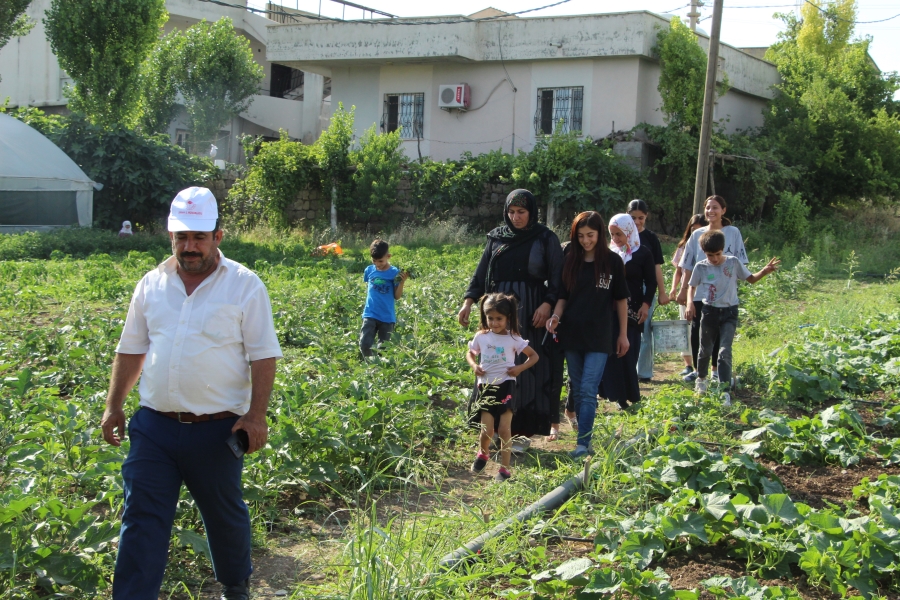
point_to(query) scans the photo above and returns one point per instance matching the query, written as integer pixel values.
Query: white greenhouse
(40, 186)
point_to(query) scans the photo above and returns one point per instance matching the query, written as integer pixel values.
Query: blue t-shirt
(380, 294)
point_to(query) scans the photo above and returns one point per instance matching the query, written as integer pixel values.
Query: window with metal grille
(558, 109)
(405, 112)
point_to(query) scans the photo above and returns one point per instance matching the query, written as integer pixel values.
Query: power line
(833, 16)
(295, 16)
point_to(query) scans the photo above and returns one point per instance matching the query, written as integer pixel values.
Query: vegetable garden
(363, 486)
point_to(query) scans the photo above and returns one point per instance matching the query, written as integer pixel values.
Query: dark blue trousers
(164, 454)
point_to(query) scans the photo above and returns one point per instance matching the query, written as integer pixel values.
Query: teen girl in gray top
(734, 244)
(714, 211)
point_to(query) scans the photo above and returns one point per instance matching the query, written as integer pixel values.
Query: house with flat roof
(288, 99)
(487, 81)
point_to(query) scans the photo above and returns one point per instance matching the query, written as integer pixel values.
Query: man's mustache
(187, 254)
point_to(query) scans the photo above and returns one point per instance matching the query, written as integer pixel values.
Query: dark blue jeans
(164, 453)
(585, 372)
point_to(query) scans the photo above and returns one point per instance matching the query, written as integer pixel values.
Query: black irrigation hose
(547, 502)
(550, 501)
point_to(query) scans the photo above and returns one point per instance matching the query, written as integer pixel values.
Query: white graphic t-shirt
(717, 286)
(497, 354)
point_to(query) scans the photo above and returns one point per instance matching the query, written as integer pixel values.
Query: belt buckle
(180, 421)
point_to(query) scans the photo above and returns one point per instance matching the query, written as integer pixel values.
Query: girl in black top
(639, 211)
(523, 258)
(620, 380)
(593, 283)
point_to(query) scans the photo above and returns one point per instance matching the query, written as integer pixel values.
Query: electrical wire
(832, 16)
(674, 9)
(496, 87)
(384, 21)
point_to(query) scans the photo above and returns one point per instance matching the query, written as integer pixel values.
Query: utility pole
(695, 13)
(709, 98)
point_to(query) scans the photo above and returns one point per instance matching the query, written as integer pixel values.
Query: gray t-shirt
(717, 286)
(734, 246)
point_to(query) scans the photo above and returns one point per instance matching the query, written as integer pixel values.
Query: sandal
(554, 434)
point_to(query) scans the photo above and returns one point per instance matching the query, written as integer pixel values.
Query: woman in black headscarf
(525, 259)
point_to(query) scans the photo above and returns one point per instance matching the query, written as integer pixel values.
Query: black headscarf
(509, 235)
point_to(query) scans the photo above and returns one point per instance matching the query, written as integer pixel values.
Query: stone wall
(314, 206)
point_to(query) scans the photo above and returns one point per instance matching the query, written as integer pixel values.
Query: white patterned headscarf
(633, 240)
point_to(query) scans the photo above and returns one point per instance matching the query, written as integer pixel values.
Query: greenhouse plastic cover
(39, 184)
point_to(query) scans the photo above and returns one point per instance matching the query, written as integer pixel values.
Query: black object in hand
(238, 442)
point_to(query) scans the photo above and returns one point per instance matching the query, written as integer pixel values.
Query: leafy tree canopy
(834, 118)
(682, 76)
(13, 21)
(213, 69)
(101, 44)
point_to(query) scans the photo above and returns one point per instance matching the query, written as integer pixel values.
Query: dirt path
(310, 553)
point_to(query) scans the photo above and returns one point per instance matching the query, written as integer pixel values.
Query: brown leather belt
(186, 417)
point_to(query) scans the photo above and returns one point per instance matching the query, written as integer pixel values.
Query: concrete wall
(736, 110)
(30, 71)
(619, 92)
(609, 55)
(31, 75)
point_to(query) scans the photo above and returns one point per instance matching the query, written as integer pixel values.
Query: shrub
(792, 216)
(277, 171)
(378, 163)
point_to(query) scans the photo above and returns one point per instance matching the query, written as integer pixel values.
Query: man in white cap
(199, 334)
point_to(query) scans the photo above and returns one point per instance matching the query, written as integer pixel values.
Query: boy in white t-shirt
(714, 282)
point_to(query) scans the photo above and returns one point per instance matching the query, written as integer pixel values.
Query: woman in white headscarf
(126, 229)
(620, 379)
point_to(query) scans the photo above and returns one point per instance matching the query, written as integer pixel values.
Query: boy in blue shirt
(385, 285)
(714, 281)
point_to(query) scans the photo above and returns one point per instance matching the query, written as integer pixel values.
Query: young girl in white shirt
(492, 355)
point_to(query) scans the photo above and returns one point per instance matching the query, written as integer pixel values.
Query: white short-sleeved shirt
(734, 246)
(717, 285)
(497, 355)
(199, 347)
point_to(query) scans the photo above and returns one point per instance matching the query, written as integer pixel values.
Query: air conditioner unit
(454, 96)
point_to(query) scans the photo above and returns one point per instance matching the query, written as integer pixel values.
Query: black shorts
(495, 399)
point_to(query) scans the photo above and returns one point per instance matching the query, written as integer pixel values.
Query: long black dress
(620, 379)
(532, 271)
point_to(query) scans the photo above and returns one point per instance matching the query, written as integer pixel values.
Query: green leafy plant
(214, 71)
(378, 161)
(792, 216)
(101, 45)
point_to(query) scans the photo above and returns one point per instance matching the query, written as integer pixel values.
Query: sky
(744, 22)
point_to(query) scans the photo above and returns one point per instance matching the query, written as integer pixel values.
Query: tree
(682, 74)
(834, 117)
(333, 150)
(826, 31)
(213, 69)
(101, 45)
(159, 86)
(13, 21)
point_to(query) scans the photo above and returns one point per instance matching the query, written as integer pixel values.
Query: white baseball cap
(193, 209)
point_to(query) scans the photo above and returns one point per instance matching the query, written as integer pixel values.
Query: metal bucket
(671, 336)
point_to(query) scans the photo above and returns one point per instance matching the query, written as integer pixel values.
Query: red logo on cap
(190, 201)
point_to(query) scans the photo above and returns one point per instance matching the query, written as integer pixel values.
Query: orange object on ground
(334, 247)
